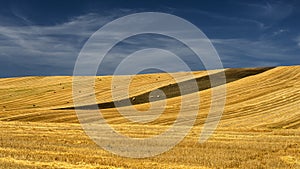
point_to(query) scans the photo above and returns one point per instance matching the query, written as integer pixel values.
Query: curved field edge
(259, 127)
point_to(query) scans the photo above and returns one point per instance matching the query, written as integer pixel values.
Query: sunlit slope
(259, 127)
(269, 99)
(56, 91)
(34, 98)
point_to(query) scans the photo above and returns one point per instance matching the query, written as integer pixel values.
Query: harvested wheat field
(260, 126)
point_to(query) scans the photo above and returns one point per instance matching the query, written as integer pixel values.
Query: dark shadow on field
(173, 90)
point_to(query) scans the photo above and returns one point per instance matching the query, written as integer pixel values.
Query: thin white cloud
(298, 41)
(276, 10)
(280, 31)
(243, 52)
(56, 44)
(221, 17)
(60, 44)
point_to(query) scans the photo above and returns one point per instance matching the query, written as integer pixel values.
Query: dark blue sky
(45, 37)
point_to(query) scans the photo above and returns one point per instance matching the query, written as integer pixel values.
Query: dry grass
(260, 127)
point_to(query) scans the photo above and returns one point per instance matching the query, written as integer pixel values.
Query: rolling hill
(260, 126)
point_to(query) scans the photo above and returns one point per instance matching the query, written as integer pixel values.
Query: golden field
(260, 126)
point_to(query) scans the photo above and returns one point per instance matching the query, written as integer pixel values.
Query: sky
(41, 38)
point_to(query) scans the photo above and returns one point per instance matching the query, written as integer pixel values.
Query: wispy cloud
(224, 18)
(252, 53)
(297, 40)
(48, 45)
(277, 10)
(53, 49)
(280, 31)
